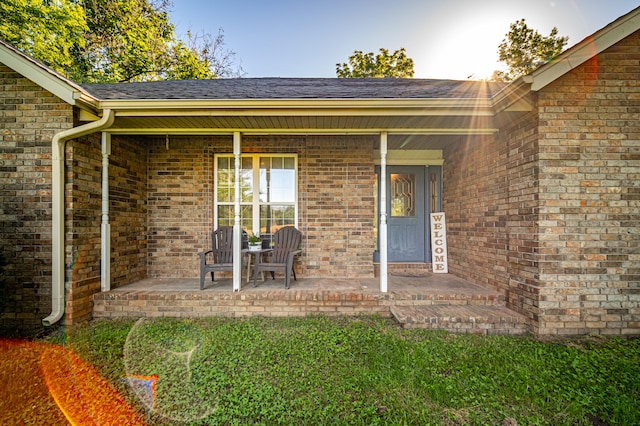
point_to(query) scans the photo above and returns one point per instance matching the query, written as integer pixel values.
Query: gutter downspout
(57, 209)
(105, 227)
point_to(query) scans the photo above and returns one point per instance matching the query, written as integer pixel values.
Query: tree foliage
(112, 40)
(47, 31)
(524, 49)
(127, 41)
(369, 65)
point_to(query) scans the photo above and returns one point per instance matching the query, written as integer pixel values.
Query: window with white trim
(268, 192)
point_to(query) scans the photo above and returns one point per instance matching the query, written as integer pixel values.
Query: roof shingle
(296, 88)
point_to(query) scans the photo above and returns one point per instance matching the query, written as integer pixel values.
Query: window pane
(225, 180)
(277, 180)
(433, 190)
(226, 216)
(226, 177)
(403, 192)
(274, 217)
(246, 180)
(289, 163)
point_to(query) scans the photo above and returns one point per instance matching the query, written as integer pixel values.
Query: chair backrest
(285, 240)
(222, 244)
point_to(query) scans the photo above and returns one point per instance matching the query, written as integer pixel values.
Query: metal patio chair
(286, 245)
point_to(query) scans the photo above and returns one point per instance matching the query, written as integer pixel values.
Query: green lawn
(366, 370)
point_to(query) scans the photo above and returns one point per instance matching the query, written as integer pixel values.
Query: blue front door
(406, 213)
(412, 193)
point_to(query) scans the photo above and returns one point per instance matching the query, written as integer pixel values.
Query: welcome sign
(439, 243)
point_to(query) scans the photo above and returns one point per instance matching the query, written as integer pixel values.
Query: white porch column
(105, 264)
(383, 212)
(237, 229)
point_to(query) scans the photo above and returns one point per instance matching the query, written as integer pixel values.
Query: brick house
(103, 185)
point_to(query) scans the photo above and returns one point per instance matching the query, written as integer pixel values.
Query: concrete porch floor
(443, 284)
(437, 301)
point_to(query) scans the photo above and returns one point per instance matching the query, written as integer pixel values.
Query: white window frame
(256, 203)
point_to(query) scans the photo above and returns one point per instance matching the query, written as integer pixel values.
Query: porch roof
(297, 88)
(301, 106)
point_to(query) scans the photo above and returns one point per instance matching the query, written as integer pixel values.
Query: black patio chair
(286, 245)
(220, 257)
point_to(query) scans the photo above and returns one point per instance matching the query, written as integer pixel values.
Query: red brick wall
(127, 215)
(490, 188)
(475, 200)
(335, 193)
(548, 208)
(337, 178)
(590, 196)
(520, 137)
(83, 200)
(128, 181)
(180, 203)
(29, 117)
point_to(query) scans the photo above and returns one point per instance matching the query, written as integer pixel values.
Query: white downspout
(105, 227)
(383, 212)
(237, 229)
(57, 209)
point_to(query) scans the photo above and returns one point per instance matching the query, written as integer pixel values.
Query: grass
(367, 370)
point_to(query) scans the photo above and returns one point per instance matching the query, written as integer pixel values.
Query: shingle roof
(296, 88)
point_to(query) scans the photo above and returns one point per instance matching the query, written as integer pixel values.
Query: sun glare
(466, 48)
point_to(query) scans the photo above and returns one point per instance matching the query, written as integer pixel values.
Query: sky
(447, 39)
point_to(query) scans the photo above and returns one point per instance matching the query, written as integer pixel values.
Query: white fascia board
(309, 131)
(585, 50)
(204, 107)
(39, 76)
(44, 77)
(514, 97)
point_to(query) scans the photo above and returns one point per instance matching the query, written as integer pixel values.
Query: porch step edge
(412, 299)
(477, 319)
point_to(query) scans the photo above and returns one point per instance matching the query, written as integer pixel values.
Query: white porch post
(105, 264)
(383, 212)
(237, 229)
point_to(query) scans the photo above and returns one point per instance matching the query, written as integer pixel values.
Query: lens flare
(39, 377)
(144, 387)
(165, 349)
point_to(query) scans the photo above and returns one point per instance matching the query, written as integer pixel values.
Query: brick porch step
(478, 319)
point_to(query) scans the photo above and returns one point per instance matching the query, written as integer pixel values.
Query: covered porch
(434, 301)
(170, 167)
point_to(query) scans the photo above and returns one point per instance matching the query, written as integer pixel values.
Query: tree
(203, 48)
(104, 41)
(524, 49)
(366, 65)
(47, 31)
(134, 40)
